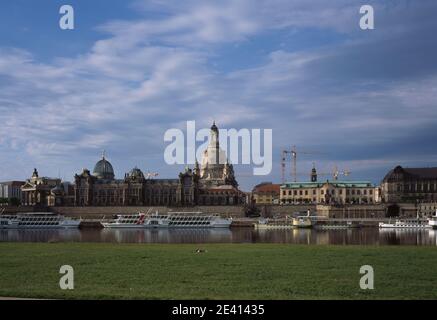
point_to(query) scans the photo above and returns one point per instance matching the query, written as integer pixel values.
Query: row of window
(329, 192)
(314, 201)
(418, 187)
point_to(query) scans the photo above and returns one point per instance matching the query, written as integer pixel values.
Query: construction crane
(335, 173)
(293, 152)
(151, 175)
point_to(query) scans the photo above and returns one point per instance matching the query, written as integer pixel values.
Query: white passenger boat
(432, 222)
(171, 220)
(417, 223)
(303, 221)
(37, 221)
(406, 224)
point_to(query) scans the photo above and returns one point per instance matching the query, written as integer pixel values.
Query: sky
(361, 100)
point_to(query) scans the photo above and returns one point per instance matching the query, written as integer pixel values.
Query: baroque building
(100, 188)
(329, 192)
(266, 193)
(410, 185)
(37, 190)
(45, 191)
(212, 183)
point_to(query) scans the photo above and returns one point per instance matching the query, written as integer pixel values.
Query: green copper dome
(103, 169)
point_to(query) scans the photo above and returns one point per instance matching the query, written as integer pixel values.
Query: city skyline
(362, 100)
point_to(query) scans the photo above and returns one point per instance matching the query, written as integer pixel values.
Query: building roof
(336, 183)
(137, 174)
(103, 169)
(412, 173)
(13, 183)
(267, 187)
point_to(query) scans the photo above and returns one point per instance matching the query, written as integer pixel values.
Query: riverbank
(223, 271)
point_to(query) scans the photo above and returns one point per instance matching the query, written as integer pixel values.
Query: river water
(363, 236)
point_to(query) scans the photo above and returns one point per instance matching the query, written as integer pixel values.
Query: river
(363, 236)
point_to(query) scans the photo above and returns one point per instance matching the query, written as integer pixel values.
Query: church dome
(103, 170)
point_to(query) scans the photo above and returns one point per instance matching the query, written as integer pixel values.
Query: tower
(213, 160)
(313, 174)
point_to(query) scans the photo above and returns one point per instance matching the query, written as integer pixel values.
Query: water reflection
(365, 236)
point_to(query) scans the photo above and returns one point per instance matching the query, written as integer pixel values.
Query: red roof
(264, 188)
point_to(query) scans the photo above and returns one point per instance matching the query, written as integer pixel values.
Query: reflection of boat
(334, 226)
(273, 224)
(432, 222)
(173, 220)
(37, 221)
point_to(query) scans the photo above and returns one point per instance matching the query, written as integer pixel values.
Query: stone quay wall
(98, 212)
(344, 212)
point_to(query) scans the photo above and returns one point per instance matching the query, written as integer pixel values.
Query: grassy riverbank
(225, 271)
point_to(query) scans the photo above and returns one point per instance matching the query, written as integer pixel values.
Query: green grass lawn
(226, 271)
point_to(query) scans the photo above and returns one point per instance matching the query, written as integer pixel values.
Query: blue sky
(361, 100)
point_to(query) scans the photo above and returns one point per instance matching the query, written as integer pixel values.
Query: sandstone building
(410, 185)
(329, 192)
(212, 183)
(266, 193)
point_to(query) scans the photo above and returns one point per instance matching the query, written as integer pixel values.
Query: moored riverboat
(406, 224)
(170, 220)
(432, 222)
(37, 220)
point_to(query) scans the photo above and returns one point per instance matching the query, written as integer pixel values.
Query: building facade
(37, 190)
(409, 185)
(11, 190)
(266, 193)
(329, 192)
(212, 183)
(100, 188)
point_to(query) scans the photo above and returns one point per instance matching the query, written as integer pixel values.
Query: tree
(15, 202)
(251, 210)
